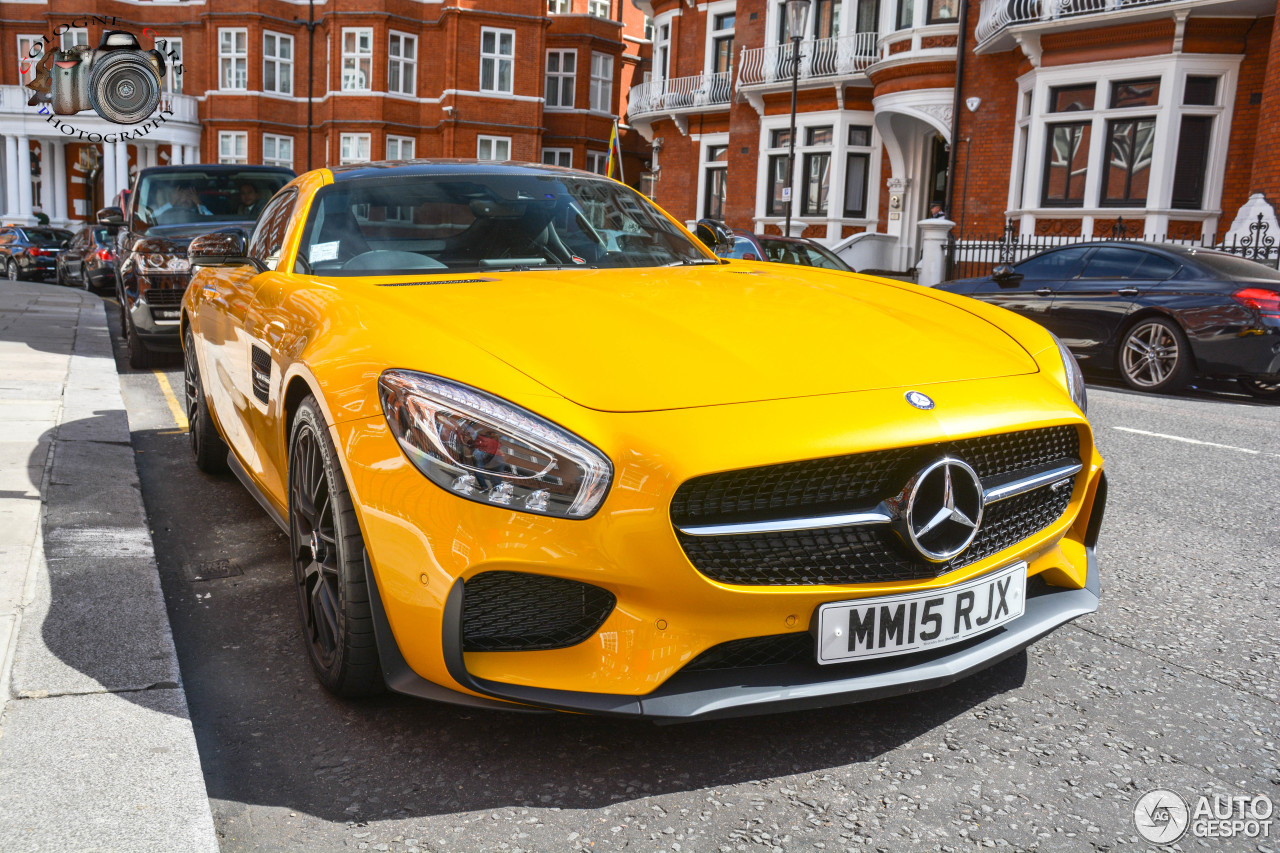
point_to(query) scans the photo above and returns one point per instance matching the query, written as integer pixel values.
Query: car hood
(655, 339)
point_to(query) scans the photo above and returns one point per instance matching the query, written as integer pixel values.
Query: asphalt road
(1173, 684)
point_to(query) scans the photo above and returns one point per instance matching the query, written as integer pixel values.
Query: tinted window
(268, 237)
(1062, 264)
(193, 195)
(47, 236)
(741, 248)
(1229, 266)
(102, 236)
(1158, 267)
(1112, 262)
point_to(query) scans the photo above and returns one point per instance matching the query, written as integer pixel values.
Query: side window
(1063, 264)
(1114, 262)
(1158, 267)
(268, 237)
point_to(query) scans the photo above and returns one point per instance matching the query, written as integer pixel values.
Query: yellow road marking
(179, 417)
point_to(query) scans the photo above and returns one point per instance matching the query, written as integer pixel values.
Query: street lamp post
(797, 12)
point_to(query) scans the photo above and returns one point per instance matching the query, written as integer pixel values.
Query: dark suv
(168, 206)
(30, 252)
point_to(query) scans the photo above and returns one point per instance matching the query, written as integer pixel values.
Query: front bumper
(157, 314)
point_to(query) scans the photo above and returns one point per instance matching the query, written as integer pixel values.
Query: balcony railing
(680, 93)
(842, 56)
(995, 15)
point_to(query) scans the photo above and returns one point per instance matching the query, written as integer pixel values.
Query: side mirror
(225, 248)
(713, 234)
(1006, 276)
(110, 216)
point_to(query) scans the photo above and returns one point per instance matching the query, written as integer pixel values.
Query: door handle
(1128, 291)
(1044, 291)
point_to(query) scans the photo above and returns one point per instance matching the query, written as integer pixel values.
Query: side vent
(261, 374)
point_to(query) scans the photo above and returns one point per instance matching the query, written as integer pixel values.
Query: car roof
(442, 166)
(213, 167)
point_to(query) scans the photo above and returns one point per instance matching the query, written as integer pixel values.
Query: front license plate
(898, 624)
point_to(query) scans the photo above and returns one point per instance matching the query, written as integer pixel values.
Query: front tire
(60, 274)
(141, 356)
(1260, 389)
(11, 270)
(1155, 356)
(328, 562)
(207, 446)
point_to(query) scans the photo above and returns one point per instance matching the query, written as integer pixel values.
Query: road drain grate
(213, 569)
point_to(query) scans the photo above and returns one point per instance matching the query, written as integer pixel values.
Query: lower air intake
(518, 612)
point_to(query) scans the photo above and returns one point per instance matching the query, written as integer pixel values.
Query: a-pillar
(11, 181)
(59, 188)
(932, 268)
(24, 179)
(109, 185)
(122, 167)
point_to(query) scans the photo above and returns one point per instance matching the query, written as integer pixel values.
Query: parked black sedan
(89, 260)
(1158, 314)
(30, 251)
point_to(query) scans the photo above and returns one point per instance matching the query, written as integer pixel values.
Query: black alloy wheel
(207, 446)
(1155, 356)
(1259, 388)
(328, 562)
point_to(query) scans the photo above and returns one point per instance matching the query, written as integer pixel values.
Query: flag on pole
(615, 154)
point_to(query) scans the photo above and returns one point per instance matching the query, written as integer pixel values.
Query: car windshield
(742, 249)
(177, 198)
(1232, 267)
(47, 236)
(804, 254)
(102, 235)
(487, 221)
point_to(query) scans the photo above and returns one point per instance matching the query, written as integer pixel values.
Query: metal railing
(841, 56)
(995, 15)
(679, 93)
(976, 256)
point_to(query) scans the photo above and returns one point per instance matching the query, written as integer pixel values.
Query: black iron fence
(975, 257)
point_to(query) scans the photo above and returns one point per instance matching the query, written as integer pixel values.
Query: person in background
(185, 206)
(936, 211)
(251, 203)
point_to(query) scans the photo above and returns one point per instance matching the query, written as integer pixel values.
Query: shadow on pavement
(1210, 390)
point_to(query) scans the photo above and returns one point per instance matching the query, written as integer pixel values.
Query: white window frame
(1173, 70)
(713, 11)
(233, 147)
(402, 67)
(706, 142)
(72, 37)
(354, 148)
(597, 161)
(233, 59)
(275, 142)
(559, 7)
(25, 42)
(401, 147)
(359, 60)
(558, 157)
(600, 98)
(663, 29)
(492, 143)
(497, 59)
(283, 65)
(559, 76)
(840, 122)
(598, 8)
(172, 83)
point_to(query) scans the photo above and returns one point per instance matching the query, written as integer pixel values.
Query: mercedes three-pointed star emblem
(943, 509)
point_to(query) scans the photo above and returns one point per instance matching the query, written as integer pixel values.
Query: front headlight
(490, 451)
(1075, 379)
(155, 262)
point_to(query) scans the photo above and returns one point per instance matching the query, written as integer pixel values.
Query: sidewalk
(96, 746)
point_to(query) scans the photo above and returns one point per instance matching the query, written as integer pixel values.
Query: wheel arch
(1147, 313)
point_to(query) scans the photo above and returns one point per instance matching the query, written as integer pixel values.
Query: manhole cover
(214, 569)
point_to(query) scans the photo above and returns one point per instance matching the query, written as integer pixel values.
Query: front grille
(518, 612)
(859, 554)
(755, 651)
(165, 297)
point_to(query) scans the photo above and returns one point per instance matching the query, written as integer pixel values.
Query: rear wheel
(1155, 356)
(11, 270)
(1259, 388)
(328, 562)
(207, 446)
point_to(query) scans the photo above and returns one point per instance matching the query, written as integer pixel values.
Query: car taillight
(36, 251)
(1266, 302)
(103, 254)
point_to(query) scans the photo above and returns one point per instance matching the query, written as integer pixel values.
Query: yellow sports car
(535, 446)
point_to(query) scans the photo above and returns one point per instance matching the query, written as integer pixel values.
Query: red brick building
(1063, 117)
(307, 84)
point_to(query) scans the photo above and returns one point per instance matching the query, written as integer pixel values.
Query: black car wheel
(207, 446)
(60, 274)
(11, 270)
(141, 356)
(1259, 388)
(1155, 356)
(328, 562)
